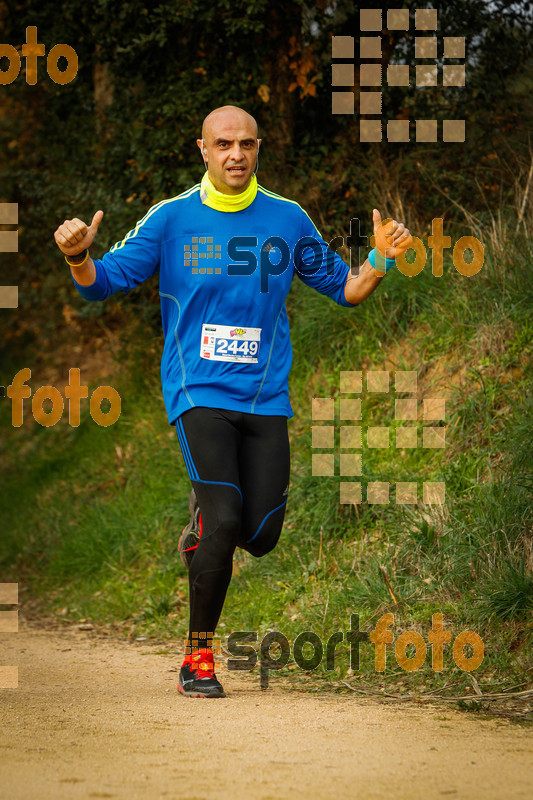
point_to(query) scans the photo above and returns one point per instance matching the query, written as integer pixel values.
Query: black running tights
(238, 464)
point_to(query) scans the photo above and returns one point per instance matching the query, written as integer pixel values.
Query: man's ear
(203, 151)
(259, 144)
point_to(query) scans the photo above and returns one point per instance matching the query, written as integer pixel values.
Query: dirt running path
(99, 718)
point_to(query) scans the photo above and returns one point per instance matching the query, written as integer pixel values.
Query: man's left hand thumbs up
(392, 238)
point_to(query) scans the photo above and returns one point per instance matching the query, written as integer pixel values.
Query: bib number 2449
(228, 343)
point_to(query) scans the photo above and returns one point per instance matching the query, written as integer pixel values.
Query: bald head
(229, 147)
(227, 116)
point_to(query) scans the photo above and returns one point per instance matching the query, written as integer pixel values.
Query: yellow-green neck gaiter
(227, 202)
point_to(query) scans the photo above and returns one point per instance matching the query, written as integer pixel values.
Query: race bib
(227, 343)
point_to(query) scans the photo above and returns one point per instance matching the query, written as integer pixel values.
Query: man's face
(230, 148)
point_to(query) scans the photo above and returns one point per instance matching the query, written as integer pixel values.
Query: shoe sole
(185, 546)
(187, 541)
(211, 696)
(192, 503)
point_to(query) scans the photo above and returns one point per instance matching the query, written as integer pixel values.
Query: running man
(227, 352)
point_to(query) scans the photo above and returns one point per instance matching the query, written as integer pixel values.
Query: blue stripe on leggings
(265, 519)
(189, 463)
(221, 483)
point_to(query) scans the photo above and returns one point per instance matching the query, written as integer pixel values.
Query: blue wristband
(383, 263)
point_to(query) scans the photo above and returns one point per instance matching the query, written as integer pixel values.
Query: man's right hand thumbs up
(73, 236)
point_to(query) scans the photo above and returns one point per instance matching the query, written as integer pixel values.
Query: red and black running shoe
(188, 541)
(197, 676)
